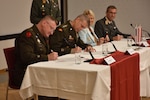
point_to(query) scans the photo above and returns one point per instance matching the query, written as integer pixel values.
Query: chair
(10, 60)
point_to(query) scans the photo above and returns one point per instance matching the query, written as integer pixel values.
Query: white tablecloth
(65, 79)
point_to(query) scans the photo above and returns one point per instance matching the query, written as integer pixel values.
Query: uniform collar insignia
(107, 21)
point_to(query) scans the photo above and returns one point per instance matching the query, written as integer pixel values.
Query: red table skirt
(125, 84)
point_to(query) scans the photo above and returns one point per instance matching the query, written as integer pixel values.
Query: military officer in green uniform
(66, 40)
(32, 46)
(41, 8)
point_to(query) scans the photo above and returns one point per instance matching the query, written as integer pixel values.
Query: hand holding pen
(89, 48)
(76, 49)
(53, 55)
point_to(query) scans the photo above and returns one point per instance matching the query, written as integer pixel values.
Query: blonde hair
(89, 12)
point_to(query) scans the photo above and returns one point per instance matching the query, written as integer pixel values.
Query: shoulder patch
(28, 34)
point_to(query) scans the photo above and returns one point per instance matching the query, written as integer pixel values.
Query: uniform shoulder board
(64, 26)
(28, 34)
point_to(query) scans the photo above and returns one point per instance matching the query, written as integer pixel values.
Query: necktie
(95, 39)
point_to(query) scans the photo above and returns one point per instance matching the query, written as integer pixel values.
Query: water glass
(129, 42)
(104, 49)
(77, 58)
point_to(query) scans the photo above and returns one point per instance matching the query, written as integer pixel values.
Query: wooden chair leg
(7, 89)
(7, 92)
(35, 97)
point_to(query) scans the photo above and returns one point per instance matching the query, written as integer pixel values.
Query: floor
(14, 94)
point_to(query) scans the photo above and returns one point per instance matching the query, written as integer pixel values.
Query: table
(144, 53)
(96, 77)
(66, 80)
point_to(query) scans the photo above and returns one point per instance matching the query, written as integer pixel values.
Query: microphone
(91, 55)
(89, 60)
(132, 26)
(114, 46)
(142, 30)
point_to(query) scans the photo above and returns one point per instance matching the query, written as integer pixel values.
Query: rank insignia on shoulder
(64, 26)
(60, 30)
(28, 34)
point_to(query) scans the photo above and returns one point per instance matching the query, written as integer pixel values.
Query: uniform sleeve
(99, 30)
(120, 33)
(58, 44)
(27, 50)
(35, 12)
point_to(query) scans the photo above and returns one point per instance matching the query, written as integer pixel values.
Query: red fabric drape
(125, 84)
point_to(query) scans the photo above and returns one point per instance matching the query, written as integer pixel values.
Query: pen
(75, 45)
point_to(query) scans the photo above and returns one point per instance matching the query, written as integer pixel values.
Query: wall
(129, 11)
(15, 16)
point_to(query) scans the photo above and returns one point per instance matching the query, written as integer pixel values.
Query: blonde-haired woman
(88, 35)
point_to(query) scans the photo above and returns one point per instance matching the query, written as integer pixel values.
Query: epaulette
(64, 26)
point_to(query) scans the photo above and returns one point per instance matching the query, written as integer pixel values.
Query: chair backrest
(10, 59)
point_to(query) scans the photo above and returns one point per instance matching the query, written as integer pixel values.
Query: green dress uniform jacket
(40, 9)
(30, 47)
(65, 38)
(102, 28)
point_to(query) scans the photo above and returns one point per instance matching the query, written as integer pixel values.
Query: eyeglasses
(51, 27)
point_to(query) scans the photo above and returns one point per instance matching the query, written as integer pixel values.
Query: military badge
(28, 34)
(38, 40)
(70, 37)
(70, 29)
(60, 30)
